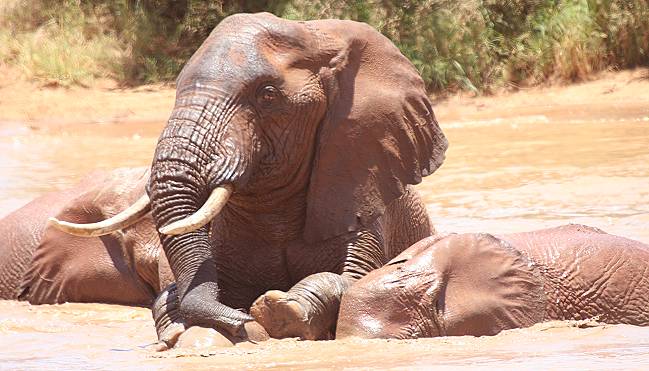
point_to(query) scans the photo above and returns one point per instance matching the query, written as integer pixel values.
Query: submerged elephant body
(479, 284)
(43, 265)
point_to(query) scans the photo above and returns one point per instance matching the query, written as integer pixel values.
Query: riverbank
(33, 104)
(36, 105)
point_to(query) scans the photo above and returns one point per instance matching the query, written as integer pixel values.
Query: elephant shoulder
(406, 223)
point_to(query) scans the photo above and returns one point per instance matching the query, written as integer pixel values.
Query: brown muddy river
(514, 172)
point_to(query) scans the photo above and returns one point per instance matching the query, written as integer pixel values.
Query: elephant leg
(309, 310)
(168, 321)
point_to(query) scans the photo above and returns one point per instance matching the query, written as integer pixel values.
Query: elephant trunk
(173, 198)
(192, 161)
(217, 200)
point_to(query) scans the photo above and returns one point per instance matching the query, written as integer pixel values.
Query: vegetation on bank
(475, 45)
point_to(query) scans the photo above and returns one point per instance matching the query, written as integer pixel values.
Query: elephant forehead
(243, 48)
(262, 27)
(223, 60)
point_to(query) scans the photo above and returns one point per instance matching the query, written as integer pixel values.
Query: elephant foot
(283, 316)
(308, 310)
(168, 323)
(202, 337)
(229, 324)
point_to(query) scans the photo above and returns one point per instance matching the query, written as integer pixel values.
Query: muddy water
(503, 174)
(536, 171)
(39, 159)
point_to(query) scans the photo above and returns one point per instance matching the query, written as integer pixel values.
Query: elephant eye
(267, 95)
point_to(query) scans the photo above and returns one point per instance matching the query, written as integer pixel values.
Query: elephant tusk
(122, 220)
(218, 198)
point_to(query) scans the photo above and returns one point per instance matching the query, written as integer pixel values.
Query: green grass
(59, 54)
(474, 45)
(64, 47)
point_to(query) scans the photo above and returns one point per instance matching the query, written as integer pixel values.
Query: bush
(474, 45)
(625, 25)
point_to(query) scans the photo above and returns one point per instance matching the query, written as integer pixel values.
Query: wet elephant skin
(43, 265)
(318, 129)
(316, 132)
(479, 284)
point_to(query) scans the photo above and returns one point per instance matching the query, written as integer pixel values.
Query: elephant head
(468, 284)
(328, 113)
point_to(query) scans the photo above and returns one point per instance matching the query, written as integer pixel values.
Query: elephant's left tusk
(211, 208)
(122, 220)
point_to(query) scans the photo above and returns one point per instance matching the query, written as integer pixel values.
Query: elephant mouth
(210, 209)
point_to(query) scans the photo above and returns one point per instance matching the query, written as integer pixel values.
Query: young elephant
(479, 284)
(43, 265)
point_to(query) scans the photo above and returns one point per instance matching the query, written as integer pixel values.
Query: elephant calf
(479, 284)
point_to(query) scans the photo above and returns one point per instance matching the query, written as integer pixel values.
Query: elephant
(285, 172)
(480, 284)
(43, 265)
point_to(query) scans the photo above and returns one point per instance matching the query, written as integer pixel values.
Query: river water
(515, 172)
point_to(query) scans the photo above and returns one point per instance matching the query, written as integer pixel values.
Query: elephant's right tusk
(218, 198)
(122, 220)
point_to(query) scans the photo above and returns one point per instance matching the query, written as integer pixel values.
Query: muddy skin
(479, 284)
(43, 265)
(319, 169)
(602, 186)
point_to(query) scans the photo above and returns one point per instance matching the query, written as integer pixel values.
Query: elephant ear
(379, 135)
(487, 286)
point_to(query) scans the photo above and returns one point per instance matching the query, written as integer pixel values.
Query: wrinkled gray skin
(479, 284)
(319, 127)
(43, 265)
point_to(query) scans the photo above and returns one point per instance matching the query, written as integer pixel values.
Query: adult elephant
(43, 265)
(479, 284)
(286, 165)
